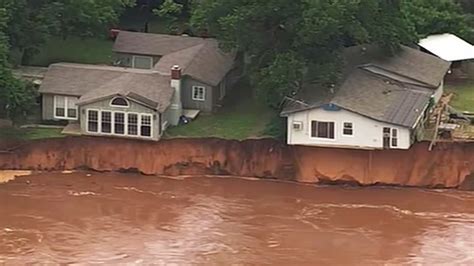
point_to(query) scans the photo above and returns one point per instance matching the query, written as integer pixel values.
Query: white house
(379, 105)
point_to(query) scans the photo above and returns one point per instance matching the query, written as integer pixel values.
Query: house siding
(439, 92)
(367, 133)
(47, 102)
(104, 105)
(187, 98)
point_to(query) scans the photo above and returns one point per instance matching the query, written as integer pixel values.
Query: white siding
(367, 133)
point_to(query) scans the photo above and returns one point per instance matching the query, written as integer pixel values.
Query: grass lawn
(74, 50)
(17, 134)
(236, 120)
(463, 95)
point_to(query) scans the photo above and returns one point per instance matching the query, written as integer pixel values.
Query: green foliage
(16, 98)
(288, 43)
(174, 12)
(436, 16)
(32, 22)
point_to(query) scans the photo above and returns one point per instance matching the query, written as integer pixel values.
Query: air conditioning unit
(298, 126)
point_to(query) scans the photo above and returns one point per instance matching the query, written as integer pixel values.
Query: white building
(380, 104)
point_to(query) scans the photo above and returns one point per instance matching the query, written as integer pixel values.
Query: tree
(294, 42)
(174, 11)
(33, 21)
(291, 43)
(16, 97)
(437, 16)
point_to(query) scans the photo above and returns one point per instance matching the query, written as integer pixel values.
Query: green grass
(246, 119)
(16, 134)
(463, 95)
(74, 50)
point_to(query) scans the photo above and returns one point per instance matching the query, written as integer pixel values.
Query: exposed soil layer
(447, 166)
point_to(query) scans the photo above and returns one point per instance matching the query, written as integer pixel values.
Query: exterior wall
(468, 67)
(186, 96)
(439, 92)
(126, 59)
(367, 133)
(47, 106)
(104, 105)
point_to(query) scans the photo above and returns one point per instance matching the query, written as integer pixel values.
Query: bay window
(119, 123)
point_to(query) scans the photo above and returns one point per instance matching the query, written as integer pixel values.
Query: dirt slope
(447, 166)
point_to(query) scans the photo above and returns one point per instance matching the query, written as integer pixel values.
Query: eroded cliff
(449, 165)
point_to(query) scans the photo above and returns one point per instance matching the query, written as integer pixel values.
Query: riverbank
(448, 166)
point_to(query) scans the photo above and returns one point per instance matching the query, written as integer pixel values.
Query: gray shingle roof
(387, 98)
(382, 100)
(91, 83)
(199, 58)
(407, 62)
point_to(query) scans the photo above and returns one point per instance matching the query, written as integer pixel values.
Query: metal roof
(448, 47)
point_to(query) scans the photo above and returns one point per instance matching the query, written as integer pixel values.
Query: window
(145, 126)
(92, 121)
(60, 106)
(133, 124)
(323, 130)
(119, 123)
(142, 62)
(65, 107)
(106, 124)
(199, 93)
(348, 129)
(394, 137)
(119, 101)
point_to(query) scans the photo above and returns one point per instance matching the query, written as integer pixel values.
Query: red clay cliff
(448, 166)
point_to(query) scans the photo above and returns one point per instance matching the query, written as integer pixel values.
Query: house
(381, 102)
(206, 69)
(451, 48)
(135, 101)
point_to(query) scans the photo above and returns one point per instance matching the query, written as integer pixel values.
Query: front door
(386, 138)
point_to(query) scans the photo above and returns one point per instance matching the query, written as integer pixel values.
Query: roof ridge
(364, 67)
(195, 55)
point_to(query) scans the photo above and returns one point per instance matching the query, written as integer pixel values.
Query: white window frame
(139, 124)
(344, 128)
(125, 129)
(120, 106)
(142, 57)
(151, 125)
(98, 121)
(393, 132)
(203, 93)
(66, 107)
(319, 138)
(111, 122)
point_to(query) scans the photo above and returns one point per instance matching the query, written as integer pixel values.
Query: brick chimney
(176, 104)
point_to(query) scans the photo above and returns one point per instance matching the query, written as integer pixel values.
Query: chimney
(176, 105)
(176, 72)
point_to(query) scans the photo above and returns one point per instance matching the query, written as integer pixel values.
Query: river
(84, 218)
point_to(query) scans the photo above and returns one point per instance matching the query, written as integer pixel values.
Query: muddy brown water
(132, 219)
